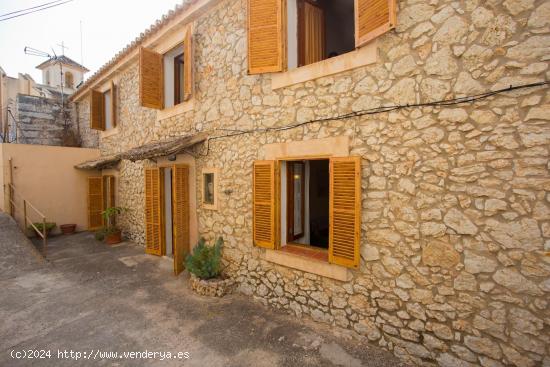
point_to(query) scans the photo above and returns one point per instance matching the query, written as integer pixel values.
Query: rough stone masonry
(455, 200)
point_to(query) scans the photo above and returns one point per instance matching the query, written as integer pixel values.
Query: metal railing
(43, 233)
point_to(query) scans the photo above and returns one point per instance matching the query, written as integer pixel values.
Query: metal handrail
(13, 205)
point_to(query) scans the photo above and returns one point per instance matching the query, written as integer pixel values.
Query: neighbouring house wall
(46, 177)
(42, 121)
(455, 200)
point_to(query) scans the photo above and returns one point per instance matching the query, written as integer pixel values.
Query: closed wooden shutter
(188, 65)
(113, 103)
(153, 205)
(266, 39)
(151, 79)
(264, 204)
(97, 111)
(180, 209)
(95, 202)
(345, 211)
(311, 37)
(372, 19)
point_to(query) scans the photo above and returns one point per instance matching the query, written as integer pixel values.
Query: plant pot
(216, 287)
(113, 238)
(67, 228)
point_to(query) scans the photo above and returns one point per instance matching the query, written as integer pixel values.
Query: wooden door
(95, 203)
(153, 208)
(180, 215)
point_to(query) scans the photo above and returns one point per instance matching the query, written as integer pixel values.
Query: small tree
(110, 215)
(205, 261)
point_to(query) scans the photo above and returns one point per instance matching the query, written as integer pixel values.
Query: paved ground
(91, 297)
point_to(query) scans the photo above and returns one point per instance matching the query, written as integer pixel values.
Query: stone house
(316, 141)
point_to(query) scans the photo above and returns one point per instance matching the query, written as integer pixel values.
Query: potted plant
(39, 228)
(204, 265)
(111, 232)
(67, 228)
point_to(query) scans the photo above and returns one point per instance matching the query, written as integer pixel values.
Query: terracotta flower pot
(67, 228)
(113, 238)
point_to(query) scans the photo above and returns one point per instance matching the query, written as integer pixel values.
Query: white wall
(169, 75)
(292, 33)
(306, 238)
(55, 76)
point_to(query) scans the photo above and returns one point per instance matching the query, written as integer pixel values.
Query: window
(209, 188)
(69, 79)
(166, 80)
(319, 29)
(103, 109)
(47, 77)
(173, 77)
(291, 33)
(313, 208)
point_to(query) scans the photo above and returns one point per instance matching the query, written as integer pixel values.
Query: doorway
(167, 213)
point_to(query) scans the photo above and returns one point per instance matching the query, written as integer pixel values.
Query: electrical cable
(373, 111)
(36, 10)
(33, 7)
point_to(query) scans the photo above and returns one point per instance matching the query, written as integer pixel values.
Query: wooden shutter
(180, 216)
(345, 211)
(113, 104)
(311, 33)
(153, 205)
(264, 223)
(97, 111)
(95, 202)
(151, 79)
(188, 65)
(372, 19)
(266, 38)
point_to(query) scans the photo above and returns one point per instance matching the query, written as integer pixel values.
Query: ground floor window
(305, 202)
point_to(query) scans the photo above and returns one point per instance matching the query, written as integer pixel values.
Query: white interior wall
(168, 209)
(292, 34)
(283, 203)
(169, 75)
(305, 239)
(107, 108)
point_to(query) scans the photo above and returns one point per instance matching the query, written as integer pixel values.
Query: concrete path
(93, 299)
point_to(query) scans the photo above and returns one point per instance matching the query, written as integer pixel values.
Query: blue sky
(107, 26)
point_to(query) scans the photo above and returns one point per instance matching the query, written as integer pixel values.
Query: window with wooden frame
(69, 79)
(285, 34)
(166, 80)
(309, 207)
(209, 188)
(103, 108)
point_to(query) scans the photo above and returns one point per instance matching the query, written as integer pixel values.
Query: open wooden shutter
(180, 216)
(264, 223)
(153, 230)
(266, 39)
(372, 19)
(345, 211)
(97, 111)
(311, 34)
(151, 79)
(95, 202)
(188, 65)
(113, 104)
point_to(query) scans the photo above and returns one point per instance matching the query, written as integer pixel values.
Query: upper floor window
(47, 77)
(103, 109)
(319, 29)
(166, 80)
(69, 79)
(291, 33)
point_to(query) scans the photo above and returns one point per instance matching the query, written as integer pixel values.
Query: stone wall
(41, 121)
(455, 200)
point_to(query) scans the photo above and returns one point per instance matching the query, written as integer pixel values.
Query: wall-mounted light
(172, 157)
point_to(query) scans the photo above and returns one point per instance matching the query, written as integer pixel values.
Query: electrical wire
(373, 111)
(35, 10)
(33, 7)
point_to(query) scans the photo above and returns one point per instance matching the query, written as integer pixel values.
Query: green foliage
(40, 226)
(205, 260)
(109, 215)
(100, 234)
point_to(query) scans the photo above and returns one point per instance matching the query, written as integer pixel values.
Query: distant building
(62, 72)
(32, 113)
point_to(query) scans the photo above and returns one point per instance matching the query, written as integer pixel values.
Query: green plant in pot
(111, 233)
(39, 228)
(205, 261)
